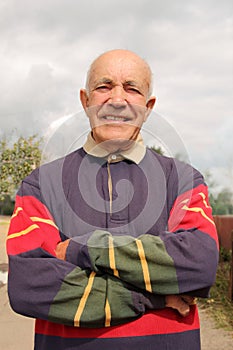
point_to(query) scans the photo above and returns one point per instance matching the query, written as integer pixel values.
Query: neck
(116, 146)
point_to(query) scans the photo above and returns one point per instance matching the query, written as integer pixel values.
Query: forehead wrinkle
(137, 60)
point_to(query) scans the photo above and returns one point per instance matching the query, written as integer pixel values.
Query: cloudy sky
(48, 45)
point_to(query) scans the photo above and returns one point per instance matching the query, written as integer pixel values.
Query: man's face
(117, 102)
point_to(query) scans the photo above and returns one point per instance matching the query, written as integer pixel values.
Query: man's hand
(180, 303)
(61, 249)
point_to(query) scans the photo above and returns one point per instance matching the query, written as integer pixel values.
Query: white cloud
(47, 47)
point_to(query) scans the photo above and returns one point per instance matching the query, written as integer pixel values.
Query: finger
(183, 309)
(189, 299)
(177, 303)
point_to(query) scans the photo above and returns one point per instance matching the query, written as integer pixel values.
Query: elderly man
(109, 245)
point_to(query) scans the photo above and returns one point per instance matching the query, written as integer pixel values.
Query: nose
(118, 96)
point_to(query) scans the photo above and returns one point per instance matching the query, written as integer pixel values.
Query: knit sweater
(139, 231)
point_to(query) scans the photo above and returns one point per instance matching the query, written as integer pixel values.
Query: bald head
(117, 97)
(121, 58)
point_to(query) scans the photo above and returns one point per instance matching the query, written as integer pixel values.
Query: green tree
(17, 160)
(222, 204)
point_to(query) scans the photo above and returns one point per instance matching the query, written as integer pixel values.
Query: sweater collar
(136, 153)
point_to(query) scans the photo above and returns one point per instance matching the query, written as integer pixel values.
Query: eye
(103, 88)
(133, 90)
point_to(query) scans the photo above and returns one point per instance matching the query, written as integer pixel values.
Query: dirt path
(213, 338)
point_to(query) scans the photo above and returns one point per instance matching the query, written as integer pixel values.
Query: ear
(150, 104)
(84, 98)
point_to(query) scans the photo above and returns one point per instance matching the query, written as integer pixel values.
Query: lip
(115, 118)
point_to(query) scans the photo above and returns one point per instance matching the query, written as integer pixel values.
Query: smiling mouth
(116, 119)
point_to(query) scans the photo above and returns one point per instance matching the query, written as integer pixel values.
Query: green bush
(6, 206)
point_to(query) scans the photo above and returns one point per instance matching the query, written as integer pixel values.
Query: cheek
(137, 99)
(97, 98)
(94, 122)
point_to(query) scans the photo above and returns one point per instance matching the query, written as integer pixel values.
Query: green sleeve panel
(151, 268)
(88, 299)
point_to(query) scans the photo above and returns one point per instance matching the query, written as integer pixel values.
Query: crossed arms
(47, 281)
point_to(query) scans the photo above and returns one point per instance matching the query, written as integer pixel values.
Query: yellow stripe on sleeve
(16, 212)
(199, 210)
(144, 264)
(23, 232)
(204, 199)
(45, 221)
(107, 314)
(112, 261)
(83, 300)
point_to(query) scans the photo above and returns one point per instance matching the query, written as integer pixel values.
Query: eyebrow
(131, 83)
(103, 81)
(110, 81)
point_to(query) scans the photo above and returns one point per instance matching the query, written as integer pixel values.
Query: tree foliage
(17, 160)
(222, 203)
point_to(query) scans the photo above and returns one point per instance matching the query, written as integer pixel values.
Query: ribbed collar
(136, 153)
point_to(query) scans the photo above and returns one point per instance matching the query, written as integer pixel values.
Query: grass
(219, 303)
